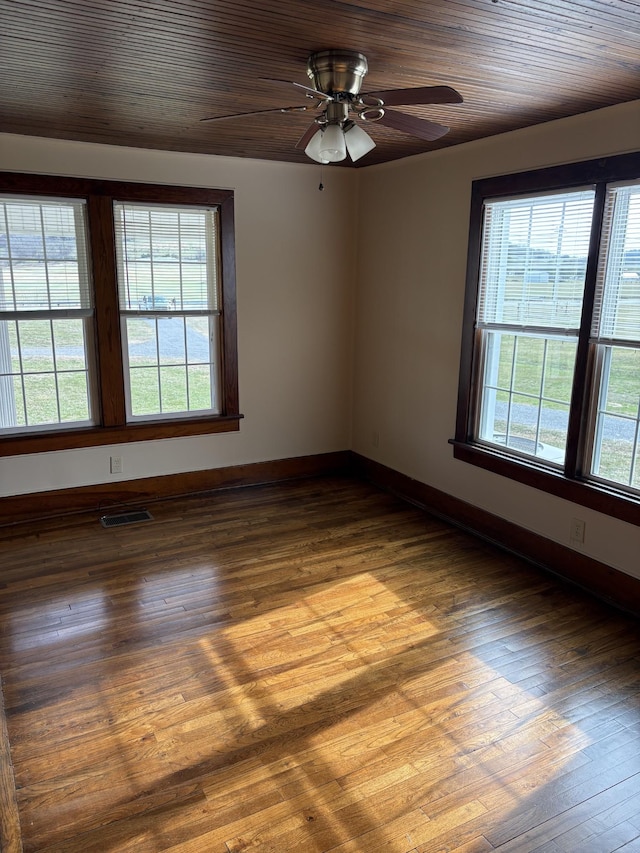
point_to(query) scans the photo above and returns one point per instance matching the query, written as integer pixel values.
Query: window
(615, 336)
(169, 308)
(117, 313)
(533, 264)
(550, 370)
(46, 312)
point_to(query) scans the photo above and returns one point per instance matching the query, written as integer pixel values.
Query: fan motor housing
(337, 71)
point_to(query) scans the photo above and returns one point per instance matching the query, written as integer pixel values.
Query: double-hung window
(550, 371)
(46, 316)
(117, 312)
(168, 287)
(615, 338)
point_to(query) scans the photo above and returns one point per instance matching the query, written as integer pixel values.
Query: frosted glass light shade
(332, 146)
(313, 148)
(358, 142)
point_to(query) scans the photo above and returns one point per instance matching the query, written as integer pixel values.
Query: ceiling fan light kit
(334, 143)
(358, 141)
(333, 147)
(337, 76)
(313, 148)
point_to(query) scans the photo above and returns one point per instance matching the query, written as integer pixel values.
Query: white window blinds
(167, 257)
(616, 317)
(43, 256)
(533, 261)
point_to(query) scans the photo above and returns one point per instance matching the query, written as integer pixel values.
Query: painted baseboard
(108, 496)
(609, 584)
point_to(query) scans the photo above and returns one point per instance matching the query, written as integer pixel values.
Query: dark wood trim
(605, 498)
(607, 583)
(467, 353)
(619, 167)
(229, 379)
(582, 373)
(104, 496)
(586, 493)
(60, 185)
(110, 407)
(97, 436)
(610, 584)
(107, 323)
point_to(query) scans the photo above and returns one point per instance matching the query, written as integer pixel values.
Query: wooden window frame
(570, 483)
(112, 427)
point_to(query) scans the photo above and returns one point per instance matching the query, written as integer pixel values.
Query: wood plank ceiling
(144, 73)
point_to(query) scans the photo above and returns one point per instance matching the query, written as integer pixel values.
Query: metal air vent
(119, 519)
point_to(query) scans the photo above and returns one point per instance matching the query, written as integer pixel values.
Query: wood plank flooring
(311, 666)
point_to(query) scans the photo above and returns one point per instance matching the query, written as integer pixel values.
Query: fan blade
(311, 93)
(423, 95)
(420, 127)
(301, 109)
(308, 135)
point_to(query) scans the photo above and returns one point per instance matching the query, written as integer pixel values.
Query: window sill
(18, 445)
(595, 496)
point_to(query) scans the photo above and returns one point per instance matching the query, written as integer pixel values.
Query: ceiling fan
(337, 76)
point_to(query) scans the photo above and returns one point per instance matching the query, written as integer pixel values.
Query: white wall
(413, 226)
(296, 265)
(295, 283)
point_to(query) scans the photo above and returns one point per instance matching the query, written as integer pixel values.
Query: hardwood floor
(310, 666)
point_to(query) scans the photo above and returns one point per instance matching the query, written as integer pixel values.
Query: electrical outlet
(577, 531)
(116, 464)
